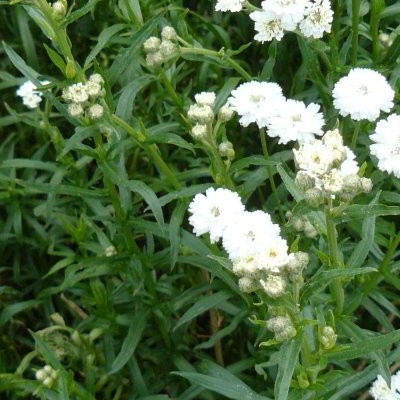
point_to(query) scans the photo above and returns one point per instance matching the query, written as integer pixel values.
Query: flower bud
(168, 49)
(168, 33)
(248, 285)
(75, 110)
(59, 10)
(95, 111)
(297, 262)
(155, 59)
(201, 114)
(314, 196)
(110, 251)
(152, 44)
(304, 181)
(199, 131)
(205, 99)
(225, 113)
(366, 185)
(274, 286)
(226, 150)
(328, 337)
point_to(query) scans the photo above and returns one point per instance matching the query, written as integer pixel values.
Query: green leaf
(288, 357)
(174, 230)
(57, 60)
(12, 309)
(355, 211)
(103, 40)
(170, 138)
(290, 185)
(223, 382)
(131, 341)
(202, 305)
(75, 15)
(363, 247)
(323, 278)
(31, 164)
(365, 347)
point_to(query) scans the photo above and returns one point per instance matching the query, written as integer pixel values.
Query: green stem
(222, 177)
(376, 9)
(336, 286)
(271, 174)
(151, 149)
(354, 26)
(219, 55)
(355, 134)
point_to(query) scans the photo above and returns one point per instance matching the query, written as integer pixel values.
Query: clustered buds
(110, 251)
(47, 375)
(159, 51)
(59, 9)
(328, 170)
(328, 337)
(84, 98)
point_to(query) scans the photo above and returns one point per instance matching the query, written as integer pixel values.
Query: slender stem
(355, 134)
(151, 149)
(336, 286)
(219, 55)
(271, 175)
(376, 8)
(222, 177)
(354, 26)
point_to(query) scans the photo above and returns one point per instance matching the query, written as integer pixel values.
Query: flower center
(215, 211)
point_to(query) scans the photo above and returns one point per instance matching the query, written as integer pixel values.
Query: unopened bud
(205, 99)
(248, 285)
(199, 131)
(314, 196)
(95, 111)
(110, 251)
(155, 59)
(59, 10)
(168, 49)
(304, 181)
(366, 185)
(168, 33)
(297, 262)
(75, 110)
(226, 150)
(70, 70)
(225, 113)
(274, 286)
(328, 337)
(152, 44)
(201, 114)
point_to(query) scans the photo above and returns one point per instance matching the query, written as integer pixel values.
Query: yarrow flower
(268, 25)
(318, 19)
(229, 5)
(363, 94)
(381, 391)
(387, 144)
(213, 211)
(296, 121)
(290, 12)
(256, 102)
(31, 97)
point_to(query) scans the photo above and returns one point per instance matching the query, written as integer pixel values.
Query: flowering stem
(376, 9)
(151, 149)
(336, 286)
(355, 134)
(354, 26)
(219, 55)
(271, 175)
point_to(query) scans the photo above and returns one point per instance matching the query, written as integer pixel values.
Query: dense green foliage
(162, 316)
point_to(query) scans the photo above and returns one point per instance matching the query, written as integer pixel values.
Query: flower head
(229, 5)
(387, 144)
(318, 19)
(296, 121)
(268, 25)
(213, 211)
(363, 94)
(381, 391)
(256, 102)
(31, 97)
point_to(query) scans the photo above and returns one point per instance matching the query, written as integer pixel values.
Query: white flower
(95, 111)
(363, 94)
(296, 121)
(229, 5)
(387, 144)
(168, 33)
(268, 25)
(213, 211)
(318, 19)
(205, 99)
(201, 114)
(314, 158)
(256, 102)
(381, 391)
(349, 166)
(274, 286)
(31, 97)
(290, 12)
(75, 110)
(76, 93)
(247, 234)
(273, 255)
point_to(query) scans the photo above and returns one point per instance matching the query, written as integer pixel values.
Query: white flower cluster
(254, 245)
(328, 169)
(47, 375)
(31, 97)
(159, 51)
(229, 5)
(381, 391)
(83, 98)
(202, 114)
(363, 94)
(264, 104)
